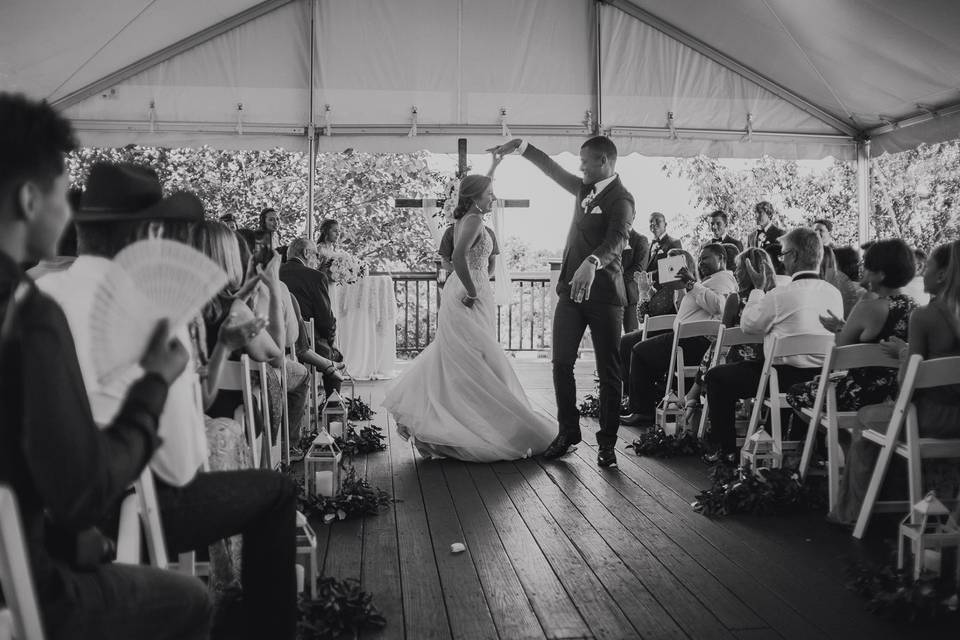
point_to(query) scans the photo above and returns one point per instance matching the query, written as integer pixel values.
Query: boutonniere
(585, 203)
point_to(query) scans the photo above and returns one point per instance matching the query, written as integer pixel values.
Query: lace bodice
(478, 256)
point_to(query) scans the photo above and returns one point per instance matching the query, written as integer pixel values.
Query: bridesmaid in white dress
(460, 398)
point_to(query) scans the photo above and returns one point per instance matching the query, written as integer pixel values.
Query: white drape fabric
(366, 326)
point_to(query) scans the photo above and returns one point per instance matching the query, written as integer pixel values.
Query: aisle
(565, 550)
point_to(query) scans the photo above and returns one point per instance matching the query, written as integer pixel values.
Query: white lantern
(334, 412)
(759, 451)
(307, 552)
(928, 526)
(321, 467)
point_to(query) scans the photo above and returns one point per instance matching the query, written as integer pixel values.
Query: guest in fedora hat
(122, 203)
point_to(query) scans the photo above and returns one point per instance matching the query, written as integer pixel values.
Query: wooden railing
(523, 325)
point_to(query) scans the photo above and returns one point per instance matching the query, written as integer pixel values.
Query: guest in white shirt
(649, 359)
(786, 310)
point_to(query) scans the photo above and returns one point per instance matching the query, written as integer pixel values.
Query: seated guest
(915, 288)
(732, 253)
(934, 333)
(66, 247)
(123, 202)
(848, 262)
(786, 310)
(649, 359)
(718, 227)
(633, 259)
(230, 220)
(311, 289)
(887, 266)
(66, 471)
(850, 291)
(767, 233)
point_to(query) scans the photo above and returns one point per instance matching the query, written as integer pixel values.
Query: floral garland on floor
(355, 443)
(355, 497)
(768, 492)
(896, 595)
(358, 410)
(341, 608)
(590, 406)
(658, 443)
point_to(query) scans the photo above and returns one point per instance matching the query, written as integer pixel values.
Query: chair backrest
(698, 328)
(804, 344)
(236, 377)
(856, 356)
(938, 372)
(310, 335)
(733, 336)
(150, 519)
(657, 323)
(15, 576)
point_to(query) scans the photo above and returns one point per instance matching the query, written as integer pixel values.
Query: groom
(590, 289)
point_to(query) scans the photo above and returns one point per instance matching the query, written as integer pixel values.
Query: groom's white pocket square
(595, 210)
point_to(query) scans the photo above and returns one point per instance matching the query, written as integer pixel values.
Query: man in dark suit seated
(718, 227)
(312, 290)
(634, 259)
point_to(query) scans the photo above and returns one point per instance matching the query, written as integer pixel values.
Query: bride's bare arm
(471, 226)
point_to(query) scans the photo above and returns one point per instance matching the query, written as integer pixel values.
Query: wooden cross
(418, 203)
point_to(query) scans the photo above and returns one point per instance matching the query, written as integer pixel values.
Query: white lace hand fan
(122, 321)
(176, 278)
(153, 279)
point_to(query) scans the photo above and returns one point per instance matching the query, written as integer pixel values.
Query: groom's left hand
(582, 281)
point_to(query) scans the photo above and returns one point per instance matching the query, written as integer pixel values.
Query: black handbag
(660, 304)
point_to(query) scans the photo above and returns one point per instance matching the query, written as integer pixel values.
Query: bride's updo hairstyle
(471, 188)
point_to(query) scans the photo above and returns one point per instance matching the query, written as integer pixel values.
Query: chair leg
(833, 455)
(876, 480)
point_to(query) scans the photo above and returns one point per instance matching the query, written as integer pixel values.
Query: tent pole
(311, 130)
(598, 127)
(864, 196)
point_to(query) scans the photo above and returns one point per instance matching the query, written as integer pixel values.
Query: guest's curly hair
(471, 188)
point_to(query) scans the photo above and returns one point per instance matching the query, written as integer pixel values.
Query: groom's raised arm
(620, 215)
(554, 171)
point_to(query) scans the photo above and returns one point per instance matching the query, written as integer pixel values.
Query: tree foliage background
(916, 195)
(357, 189)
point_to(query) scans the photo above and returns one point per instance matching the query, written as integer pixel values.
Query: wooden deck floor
(565, 550)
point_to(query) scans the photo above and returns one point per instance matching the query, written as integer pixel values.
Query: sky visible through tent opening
(545, 224)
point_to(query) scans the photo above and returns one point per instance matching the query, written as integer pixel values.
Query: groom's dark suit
(602, 231)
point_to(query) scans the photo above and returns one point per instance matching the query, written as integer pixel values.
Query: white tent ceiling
(740, 77)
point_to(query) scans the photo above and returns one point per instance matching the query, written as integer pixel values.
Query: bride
(460, 398)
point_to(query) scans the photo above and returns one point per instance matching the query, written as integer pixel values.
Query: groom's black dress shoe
(637, 420)
(560, 445)
(607, 458)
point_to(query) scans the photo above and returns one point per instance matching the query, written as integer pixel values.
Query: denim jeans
(258, 504)
(121, 602)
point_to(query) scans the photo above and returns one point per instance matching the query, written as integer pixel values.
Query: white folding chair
(679, 369)
(824, 413)
(316, 383)
(769, 395)
(284, 438)
(727, 337)
(236, 376)
(656, 323)
(16, 580)
(920, 374)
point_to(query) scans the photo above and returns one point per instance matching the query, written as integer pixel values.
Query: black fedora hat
(125, 191)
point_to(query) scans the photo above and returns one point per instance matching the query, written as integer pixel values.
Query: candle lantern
(759, 451)
(928, 526)
(334, 411)
(307, 553)
(321, 467)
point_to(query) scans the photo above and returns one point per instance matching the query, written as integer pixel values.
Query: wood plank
(465, 601)
(690, 614)
(592, 594)
(380, 574)
(345, 550)
(556, 611)
(626, 588)
(424, 616)
(512, 612)
(757, 634)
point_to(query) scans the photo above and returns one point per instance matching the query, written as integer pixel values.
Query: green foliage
(355, 443)
(356, 497)
(357, 189)
(769, 491)
(657, 443)
(896, 595)
(341, 608)
(916, 194)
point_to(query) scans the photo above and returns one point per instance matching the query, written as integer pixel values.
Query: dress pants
(649, 361)
(330, 383)
(630, 320)
(727, 383)
(570, 320)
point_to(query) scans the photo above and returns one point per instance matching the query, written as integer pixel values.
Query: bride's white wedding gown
(460, 397)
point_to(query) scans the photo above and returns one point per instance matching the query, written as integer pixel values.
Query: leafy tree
(357, 189)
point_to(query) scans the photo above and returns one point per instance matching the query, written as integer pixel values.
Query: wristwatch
(595, 260)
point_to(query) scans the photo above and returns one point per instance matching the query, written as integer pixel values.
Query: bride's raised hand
(506, 148)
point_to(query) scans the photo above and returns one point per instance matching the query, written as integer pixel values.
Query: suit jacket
(728, 239)
(602, 230)
(634, 259)
(769, 237)
(658, 251)
(312, 291)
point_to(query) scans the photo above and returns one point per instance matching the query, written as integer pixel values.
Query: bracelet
(470, 297)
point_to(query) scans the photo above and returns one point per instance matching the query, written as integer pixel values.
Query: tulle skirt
(460, 398)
